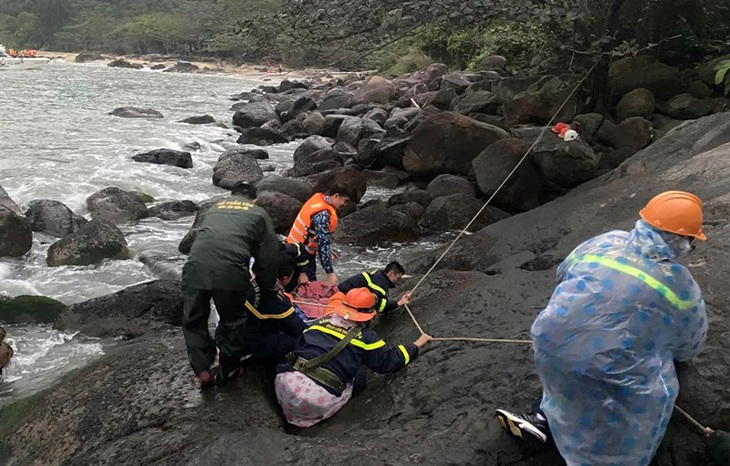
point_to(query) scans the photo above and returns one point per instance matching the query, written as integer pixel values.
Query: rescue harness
(312, 367)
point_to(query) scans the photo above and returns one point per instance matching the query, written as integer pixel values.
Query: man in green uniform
(233, 231)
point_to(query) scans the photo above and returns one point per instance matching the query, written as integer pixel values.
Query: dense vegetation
(536, 35)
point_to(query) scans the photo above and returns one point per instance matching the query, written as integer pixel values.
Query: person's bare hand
(303, 278)
(405, 299)
(422, 340)
(332, 279)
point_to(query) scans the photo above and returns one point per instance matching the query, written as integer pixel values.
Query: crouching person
(318, 377)
(273, 326)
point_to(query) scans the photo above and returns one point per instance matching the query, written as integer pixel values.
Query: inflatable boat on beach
(9, 62)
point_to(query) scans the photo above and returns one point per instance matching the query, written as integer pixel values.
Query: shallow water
(57, 142)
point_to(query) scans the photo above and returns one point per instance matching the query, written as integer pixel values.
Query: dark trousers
(307, 263)
(200, 345)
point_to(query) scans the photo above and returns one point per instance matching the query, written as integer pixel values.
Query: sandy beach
(249, 71)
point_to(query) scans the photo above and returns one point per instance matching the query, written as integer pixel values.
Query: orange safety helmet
(676, 212)
(358, 305)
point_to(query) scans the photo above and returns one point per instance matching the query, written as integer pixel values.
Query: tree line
(396, 35)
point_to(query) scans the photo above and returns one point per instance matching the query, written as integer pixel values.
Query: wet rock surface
(16, 235)
(130, 312)
(53, 218)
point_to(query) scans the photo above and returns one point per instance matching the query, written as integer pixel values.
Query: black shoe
(223, 378)
(534, 424)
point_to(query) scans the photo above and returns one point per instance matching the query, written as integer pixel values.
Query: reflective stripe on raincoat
(605, 345)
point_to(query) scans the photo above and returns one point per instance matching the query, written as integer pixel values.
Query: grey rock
(53, 218)
(171, 157)
(116, 206)
(91, 244)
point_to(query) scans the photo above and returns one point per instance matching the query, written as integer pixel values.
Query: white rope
(514, 170)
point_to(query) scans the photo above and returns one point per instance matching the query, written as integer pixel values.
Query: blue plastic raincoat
(606, 343)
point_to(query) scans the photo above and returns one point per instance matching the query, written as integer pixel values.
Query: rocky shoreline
(448, 139)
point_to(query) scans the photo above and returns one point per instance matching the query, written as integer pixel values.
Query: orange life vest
(302, 232)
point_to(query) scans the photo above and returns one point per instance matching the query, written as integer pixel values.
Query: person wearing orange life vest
(312, 230)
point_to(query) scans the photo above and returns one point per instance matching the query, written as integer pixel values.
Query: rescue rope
(485, 340)
(692, 420)
(514, 170)
(464, 230)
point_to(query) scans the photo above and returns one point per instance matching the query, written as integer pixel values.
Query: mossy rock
(30, 309)
(146, 198)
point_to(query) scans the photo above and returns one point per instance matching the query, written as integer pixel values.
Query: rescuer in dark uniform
(233, 231)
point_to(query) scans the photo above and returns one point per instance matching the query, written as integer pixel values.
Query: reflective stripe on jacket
(378, 282)
(367, 348)
(302, 232)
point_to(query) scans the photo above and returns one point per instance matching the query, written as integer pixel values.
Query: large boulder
(91, 244)
(343, 176)
(174, 210)
(639, 102)
(400, 117)
(199, 120)
(30, 310)
(116, 206)
(233, 167)
(310, 145)
(458, 82)
(336, 99)
(522, 191)
(300, 105)
(382, 179)
(377, 224)
(282, 209)
(353, 129)
(589, 124)
(136, 112)
(565, 164)
(122, 63)
(182, 67)
(685, 106)
(455, 211)
(634, 132)
(476, 102)
(541, 101)
(376, 90)
(313, 123)
(293, 129)
(53, 218)
(627, 74)
(298, 189)
(316, 162)
(445, 185)
(16, 235)
(447, 143)
(128, 313)
(254, 114)
(419, 196)
(176, 158)
(261, 137)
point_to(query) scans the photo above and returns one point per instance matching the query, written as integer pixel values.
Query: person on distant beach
(312, 230)
(217, 268)
(325, 368)
(624, 310)
(380, 283)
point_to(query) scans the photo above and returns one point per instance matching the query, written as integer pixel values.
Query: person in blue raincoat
(624, 310)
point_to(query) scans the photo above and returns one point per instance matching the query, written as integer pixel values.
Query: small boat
(9, 62)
